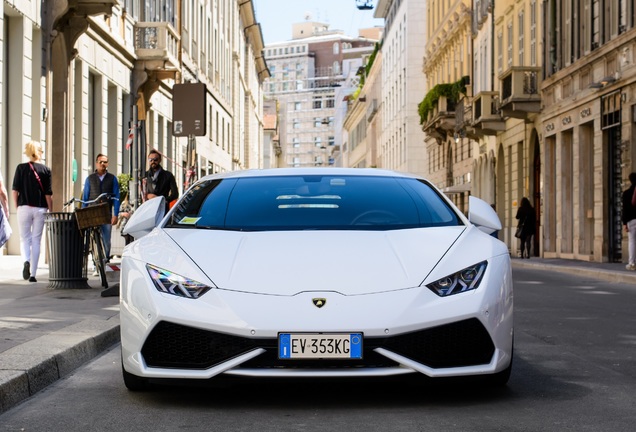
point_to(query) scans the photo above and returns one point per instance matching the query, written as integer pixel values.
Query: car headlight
(172, 283)
(464, 280)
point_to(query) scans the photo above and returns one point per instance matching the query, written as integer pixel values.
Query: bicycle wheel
(99, 255)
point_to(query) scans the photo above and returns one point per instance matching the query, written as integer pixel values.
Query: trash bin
(66, 266)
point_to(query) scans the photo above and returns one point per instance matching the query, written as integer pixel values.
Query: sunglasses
(102, 162)
(153, 159)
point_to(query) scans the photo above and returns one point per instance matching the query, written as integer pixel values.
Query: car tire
(133, 382)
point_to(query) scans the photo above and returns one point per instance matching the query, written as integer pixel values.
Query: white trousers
(31, 223)
(631, 235)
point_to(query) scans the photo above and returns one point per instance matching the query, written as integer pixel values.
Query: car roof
(361, 172)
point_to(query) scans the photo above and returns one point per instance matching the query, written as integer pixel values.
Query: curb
(596, 273)
(30, 367)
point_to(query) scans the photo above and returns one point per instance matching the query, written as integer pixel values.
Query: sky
(277, 16)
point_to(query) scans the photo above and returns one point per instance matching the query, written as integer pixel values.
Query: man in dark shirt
(160, 182)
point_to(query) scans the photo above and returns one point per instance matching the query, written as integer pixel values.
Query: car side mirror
(146, 218)
(482, 215)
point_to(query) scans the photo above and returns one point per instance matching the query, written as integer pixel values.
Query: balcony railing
(441, 119)
(520, 94)
(157, 41)
(487, 118)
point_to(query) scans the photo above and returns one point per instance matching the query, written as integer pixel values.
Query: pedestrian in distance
(5, 228)
(527, 220)
(159, 181)
(629, 220)
(33, 197)
(4, 199)
(101, 181)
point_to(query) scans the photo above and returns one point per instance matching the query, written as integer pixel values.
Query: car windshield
(312, 202)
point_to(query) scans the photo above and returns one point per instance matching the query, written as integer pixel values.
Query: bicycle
(89, 221)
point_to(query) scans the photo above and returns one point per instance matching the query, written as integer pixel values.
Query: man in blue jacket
(101, 181)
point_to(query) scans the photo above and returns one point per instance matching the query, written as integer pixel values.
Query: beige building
(363, 122)
(448, 71)
(517, 68)
(587, 128)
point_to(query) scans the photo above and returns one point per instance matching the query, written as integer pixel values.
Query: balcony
(92, 7)
(157, 45)
(487, 118)
(441, 119)
(520, 97)
(463, 119)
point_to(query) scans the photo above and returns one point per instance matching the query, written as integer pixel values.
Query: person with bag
(5, 228)
(32, 195)
(629, 220)
(525, 230)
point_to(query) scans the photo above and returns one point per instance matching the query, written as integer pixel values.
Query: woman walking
(32, 195)
(528, 220)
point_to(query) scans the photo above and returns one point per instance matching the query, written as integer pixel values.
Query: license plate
(320, 345)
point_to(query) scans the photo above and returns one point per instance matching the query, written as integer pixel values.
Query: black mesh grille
(463, 343)
(173, 345)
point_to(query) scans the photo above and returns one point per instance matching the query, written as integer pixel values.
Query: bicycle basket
(93, 216)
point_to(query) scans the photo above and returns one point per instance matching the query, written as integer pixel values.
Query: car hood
(290, 262)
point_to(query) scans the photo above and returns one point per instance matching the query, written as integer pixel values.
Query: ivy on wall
(450, 91)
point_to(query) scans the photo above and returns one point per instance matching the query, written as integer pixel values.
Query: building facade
(401, 143)
(307, 72)
(588, 126)
(82, 76)
(448, 65)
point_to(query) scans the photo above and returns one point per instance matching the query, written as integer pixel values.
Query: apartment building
(81, 75)
(307, 74)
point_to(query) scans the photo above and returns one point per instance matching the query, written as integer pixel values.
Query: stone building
(588, 126)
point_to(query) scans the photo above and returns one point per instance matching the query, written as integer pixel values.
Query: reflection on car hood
(286, 263)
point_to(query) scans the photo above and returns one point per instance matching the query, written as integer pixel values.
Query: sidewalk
(46, 334)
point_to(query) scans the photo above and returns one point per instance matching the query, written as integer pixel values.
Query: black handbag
(519, 229)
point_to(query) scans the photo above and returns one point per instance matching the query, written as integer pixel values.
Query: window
(329, 103)
(317, 122)
(533, 33)
(297, 106)
(510, 38)
(500, 52)
(331, 140)
(296, 124)
(317, 102)
(318, 141)
(336, 47)
(296, 142)
(521, 38)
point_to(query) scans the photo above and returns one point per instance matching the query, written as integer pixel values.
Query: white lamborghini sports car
(319, 272)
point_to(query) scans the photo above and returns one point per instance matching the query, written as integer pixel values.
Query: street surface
(574, 370)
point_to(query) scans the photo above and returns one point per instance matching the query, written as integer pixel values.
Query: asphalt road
(574, 370)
